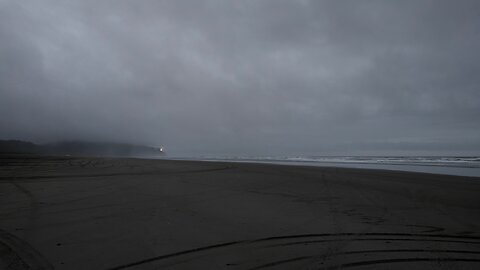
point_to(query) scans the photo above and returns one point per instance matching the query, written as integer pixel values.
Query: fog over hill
(78, 148)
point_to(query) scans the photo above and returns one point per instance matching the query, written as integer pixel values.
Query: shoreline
(417, 168)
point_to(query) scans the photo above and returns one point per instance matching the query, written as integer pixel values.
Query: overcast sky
(253, 77)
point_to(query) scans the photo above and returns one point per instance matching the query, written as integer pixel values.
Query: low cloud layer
(244, 77)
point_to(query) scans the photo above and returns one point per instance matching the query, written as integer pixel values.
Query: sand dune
(92, 213)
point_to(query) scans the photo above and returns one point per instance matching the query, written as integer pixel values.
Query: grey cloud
(243, 77)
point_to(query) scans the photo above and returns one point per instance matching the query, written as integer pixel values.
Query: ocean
(450, 165)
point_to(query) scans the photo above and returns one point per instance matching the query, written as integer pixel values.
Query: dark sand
(85, 213)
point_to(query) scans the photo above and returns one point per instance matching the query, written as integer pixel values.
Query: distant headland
(79, 148)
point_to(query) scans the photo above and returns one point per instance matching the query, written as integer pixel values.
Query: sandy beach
(100, 213)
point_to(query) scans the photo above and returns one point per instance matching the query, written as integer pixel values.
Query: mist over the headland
(244, 77)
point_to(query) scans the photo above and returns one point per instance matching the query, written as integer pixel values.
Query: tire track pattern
(385, 250)
(17, 254)
(26, 170)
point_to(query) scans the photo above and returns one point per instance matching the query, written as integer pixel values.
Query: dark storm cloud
(243, 77)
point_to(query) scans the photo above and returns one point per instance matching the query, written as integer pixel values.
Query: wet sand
(96, 213)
